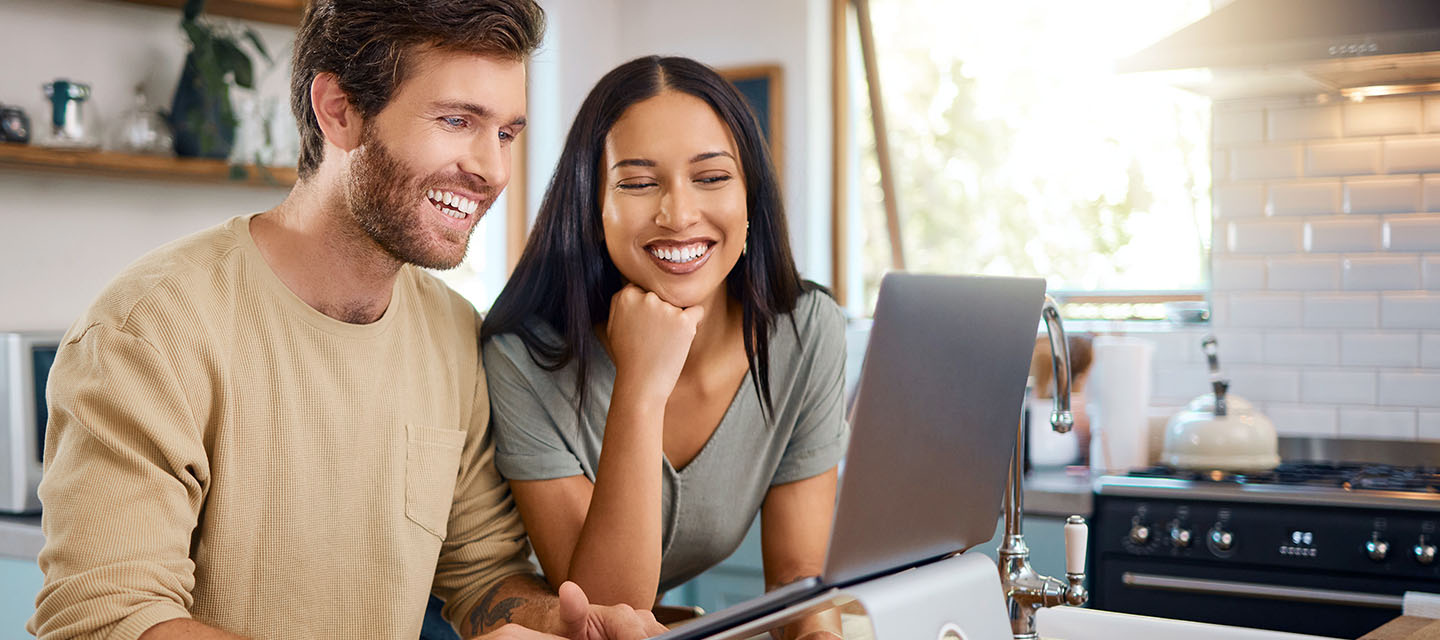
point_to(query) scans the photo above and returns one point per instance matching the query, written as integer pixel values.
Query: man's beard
(385, 198)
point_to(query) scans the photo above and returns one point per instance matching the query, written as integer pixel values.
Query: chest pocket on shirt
(432, 461)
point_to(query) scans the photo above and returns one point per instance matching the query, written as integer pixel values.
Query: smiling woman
(657, 369)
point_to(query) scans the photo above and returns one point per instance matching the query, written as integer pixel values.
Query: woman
(658, 372)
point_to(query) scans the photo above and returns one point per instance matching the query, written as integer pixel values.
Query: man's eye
(454, 121)
(506, 135)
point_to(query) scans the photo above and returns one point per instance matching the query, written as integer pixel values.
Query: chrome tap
(1025, 590)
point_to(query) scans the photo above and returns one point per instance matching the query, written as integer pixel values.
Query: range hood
(1256, 48)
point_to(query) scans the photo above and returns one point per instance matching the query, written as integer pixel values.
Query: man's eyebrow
(633, 162)
(478, 110)
(711, 154)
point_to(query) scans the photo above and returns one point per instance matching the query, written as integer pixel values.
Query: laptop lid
(934, 422)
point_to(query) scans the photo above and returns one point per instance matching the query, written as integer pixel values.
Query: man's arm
(518, 603)
(186, 629)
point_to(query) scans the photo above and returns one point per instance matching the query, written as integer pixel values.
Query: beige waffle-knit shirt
(218, 449)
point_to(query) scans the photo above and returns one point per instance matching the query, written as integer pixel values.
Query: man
(278, 427)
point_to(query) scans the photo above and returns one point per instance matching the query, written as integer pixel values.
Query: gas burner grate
(1376, 477)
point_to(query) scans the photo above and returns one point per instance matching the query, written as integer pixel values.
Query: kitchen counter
(1047, 493)
(1053, 492)
(20, 537)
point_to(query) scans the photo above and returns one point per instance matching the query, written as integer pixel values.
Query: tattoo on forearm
(489, 612)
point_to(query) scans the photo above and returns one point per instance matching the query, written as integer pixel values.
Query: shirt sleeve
(821, 432)
(125, 477)
(485, 539)
(528, 444)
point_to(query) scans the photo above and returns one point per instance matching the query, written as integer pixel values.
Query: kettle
(1219, 430)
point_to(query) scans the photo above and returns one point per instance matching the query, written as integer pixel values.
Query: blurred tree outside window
(1017, 149)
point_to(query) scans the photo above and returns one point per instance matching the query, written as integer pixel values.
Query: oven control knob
(1179, 536)
(1221, 539)
(1140, 534)
(1424, 552)
(1377, 548)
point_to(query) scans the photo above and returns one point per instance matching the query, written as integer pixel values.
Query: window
(1017, 150)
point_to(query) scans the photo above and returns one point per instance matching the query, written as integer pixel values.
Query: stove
(1323, 548)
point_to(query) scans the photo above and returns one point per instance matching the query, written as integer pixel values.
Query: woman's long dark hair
(565, 276)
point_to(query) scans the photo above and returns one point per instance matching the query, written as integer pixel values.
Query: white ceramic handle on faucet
(1076, 534)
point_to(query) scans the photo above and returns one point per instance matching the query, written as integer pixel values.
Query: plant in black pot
(202, 116)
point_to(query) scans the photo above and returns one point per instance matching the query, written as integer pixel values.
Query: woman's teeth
(680, 255)
(451, 204)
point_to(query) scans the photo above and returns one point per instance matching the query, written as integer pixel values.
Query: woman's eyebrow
(711, 154)
(633, 162)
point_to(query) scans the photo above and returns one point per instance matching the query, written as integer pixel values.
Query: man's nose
(489, 160)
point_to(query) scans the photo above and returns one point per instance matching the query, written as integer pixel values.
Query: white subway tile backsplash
(1430, 350)
(1342, 310)
(1429, 425)
(1289, 347)
(1265, 310)
(1410, 389)
(1344, 234)
(1265, 384)
(1381, 117)
(1263, 163)
(1219, 165)
(1412, 155)
(1238, 274)
(1389, 194)
(1430, 267)
(1412, 233)
(1230, 126)
(1432, 113)
(1304, 123)
(1342, 158)
(1219, 309)
(1303, 419)
(1431, 191)
(1338, 386)
(1239, 346)
(1377, 424)
(1410, 311)
(1303, 273)
(1306, 198)
(1178, 383)
(1239, 200)
(1379, 273)
(1380, 349)
(1265, 236)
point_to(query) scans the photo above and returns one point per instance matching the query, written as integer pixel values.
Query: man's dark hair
(565, 277)
(369, 45)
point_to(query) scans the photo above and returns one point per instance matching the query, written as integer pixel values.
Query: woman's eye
(713, 179)
(635, 186)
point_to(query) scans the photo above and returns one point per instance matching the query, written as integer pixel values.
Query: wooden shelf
(129, 165)
(286, 12)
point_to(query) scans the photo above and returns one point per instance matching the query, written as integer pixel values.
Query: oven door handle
(1265, 591)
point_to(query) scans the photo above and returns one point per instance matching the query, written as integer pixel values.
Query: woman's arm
(794, 533)
(606, 536)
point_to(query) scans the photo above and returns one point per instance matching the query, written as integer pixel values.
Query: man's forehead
(462, 75)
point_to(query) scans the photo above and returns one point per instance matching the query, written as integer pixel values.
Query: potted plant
(201, 115)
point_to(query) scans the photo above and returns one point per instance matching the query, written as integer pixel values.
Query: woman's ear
(338, 119)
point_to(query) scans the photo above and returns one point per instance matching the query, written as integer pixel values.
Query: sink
(1072, 623)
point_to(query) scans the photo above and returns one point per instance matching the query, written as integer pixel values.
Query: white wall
(62, 237)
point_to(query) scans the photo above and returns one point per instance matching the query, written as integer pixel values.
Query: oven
(1319, 548)
(25, 360)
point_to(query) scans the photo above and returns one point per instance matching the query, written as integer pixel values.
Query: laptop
(932, 433)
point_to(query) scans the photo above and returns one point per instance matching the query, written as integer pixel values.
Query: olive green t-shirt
(708, 504)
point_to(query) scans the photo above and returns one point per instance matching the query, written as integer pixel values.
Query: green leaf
(259, 44)
(192, 9)
(199, 34)
(232, 59)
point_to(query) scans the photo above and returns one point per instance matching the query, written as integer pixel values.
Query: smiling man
(279, 427)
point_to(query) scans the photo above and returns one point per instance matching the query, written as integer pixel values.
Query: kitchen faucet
(1025, 590)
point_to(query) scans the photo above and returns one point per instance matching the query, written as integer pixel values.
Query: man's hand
(584, 621)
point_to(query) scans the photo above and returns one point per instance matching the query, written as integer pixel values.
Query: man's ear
(338, 120)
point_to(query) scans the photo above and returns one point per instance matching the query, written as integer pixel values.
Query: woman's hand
(649, 341)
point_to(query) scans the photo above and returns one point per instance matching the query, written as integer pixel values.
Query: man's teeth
(680, 255)
(452, 204)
